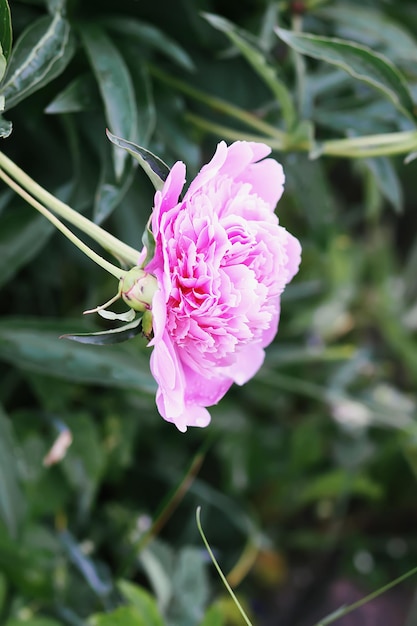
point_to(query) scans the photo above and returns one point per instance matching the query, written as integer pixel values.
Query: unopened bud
(138, 288)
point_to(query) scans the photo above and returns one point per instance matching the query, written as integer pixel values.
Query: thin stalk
(300, 70)
(220, 105)
(231, 133)
(102, 237)
(106, 265)
(218, 568)
(351, 148)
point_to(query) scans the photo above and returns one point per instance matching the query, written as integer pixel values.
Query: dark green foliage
(315, 460)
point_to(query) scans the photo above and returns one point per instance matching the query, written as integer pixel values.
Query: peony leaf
(42, 52)
(143, 601)
(122, 616)
(5, 127)
(5, 29)
(110, 189)
(80, 95)
(108, 337)
(34, 346)
(3, 64)
(386, 180)
(115, 85)
(11, 501)
(372, 28)
(145, 34)
(23, 233)
(359, 61)
(154, 167)
(266, 72)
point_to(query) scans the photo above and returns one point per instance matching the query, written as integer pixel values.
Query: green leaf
(157, 560)
(145, 34)
(6, 34)
(154, 167)
(372, 27)
(42, 53)
(387, 181)
(5, 127)
(108, 337)
(337, 481)
(3, 591)
(143, 601)
(11, 503)
(110, 190)
(359, 61)
(115, 85)
(190, 587)
(23, 233)
(80, 95)
(213, 617)
(266, 72)
(3, 64)
(35, 346)
(146, 117)
(123, 616)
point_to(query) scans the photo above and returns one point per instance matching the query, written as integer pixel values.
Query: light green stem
(220, 105)
(352, 147)
(106, 240)
(218, 568)
(109, 267)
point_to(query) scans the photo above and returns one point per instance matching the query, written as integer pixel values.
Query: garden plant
(208, 352)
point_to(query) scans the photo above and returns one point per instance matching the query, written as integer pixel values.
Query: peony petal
(169, 195)
(269, 334)
(249, 361)
(267, 180)
(209, 171)
(293, 248)
(240, 156)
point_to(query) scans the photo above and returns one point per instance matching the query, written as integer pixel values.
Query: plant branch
(106, 265)
(98, 234)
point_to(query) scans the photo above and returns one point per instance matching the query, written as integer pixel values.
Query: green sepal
(108, 337)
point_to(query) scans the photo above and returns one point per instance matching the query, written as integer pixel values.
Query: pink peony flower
(221, 262)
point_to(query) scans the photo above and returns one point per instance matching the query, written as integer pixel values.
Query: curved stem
(98, 234)
(109, 267)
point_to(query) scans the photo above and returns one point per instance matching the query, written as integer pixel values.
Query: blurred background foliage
(306, 476)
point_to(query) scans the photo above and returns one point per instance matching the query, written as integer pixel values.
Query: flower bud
(138, 288)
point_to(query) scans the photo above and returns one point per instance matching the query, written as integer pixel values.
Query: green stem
(109, 267)
(107, 241)
(220, 105)
(219, 571)
(352, 148)
(231, 133)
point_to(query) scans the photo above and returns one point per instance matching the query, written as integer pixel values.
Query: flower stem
(106, 240)
(109, 267)
(217, 104)
(300, 71)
